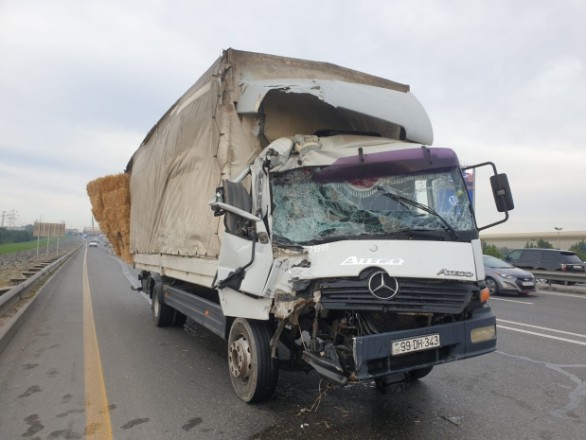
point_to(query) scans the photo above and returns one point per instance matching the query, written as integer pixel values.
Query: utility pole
(9, 218)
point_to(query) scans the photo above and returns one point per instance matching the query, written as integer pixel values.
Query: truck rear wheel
(163, 315)
(253, 371)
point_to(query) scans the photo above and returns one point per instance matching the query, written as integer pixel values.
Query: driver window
(235, 194)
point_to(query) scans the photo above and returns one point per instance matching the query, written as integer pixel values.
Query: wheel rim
(253, 371)
(491, 286)
(240, 359)
(156, 305)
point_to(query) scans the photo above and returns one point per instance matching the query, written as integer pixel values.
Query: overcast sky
(82, 82)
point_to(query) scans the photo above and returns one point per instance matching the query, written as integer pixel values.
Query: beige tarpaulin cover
(199, 142)
(202, 140)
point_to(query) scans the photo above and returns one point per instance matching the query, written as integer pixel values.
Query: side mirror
(502, 192)
(233, 201)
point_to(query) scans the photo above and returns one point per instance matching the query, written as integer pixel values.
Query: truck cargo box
(242, 103)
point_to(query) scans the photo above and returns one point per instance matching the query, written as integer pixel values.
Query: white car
(93, 243)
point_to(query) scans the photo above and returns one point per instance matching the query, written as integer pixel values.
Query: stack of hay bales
(110, 199)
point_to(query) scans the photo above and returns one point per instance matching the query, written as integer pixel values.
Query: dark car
(502, 277)
(546, 259)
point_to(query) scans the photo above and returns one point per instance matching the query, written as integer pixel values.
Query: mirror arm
(501, 193)
(240, 212)
(483, 164)
(495, 223)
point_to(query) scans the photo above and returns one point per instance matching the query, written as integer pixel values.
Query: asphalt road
(89, 363)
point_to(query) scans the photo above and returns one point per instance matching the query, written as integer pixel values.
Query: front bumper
(372, 353)
(515, 286)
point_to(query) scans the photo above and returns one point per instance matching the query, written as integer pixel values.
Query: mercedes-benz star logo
(383, 286)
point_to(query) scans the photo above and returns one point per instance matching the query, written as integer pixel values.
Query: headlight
(482, 334)
(505, 275)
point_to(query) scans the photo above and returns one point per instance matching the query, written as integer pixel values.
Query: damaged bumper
(373, 355)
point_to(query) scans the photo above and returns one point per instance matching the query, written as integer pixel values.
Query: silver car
(502, 277)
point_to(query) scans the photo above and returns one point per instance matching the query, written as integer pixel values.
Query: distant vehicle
(546, 259)
(93, 243)
(502, 277)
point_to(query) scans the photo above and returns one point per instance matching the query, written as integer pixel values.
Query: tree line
(16, 236)
(578, 248)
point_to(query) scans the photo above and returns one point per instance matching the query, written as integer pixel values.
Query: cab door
(246, 254)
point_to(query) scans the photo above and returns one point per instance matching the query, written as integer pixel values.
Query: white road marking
(570, 295)
(492, 298)
(543, 335)
(542, 328)
(571, 341)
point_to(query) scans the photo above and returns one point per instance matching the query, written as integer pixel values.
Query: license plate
(527, 284)
(415, 344)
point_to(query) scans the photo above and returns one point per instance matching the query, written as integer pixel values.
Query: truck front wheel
(253, 371)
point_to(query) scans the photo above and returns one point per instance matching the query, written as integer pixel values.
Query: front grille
(520, 280)
(414, 295)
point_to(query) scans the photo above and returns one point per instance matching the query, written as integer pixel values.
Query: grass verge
(9, 248)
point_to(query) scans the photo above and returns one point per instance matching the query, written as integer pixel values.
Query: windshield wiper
(400, 234)
(404, 201)
(423, 233)
(285, 242)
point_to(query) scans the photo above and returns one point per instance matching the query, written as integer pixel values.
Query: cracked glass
(434, 205)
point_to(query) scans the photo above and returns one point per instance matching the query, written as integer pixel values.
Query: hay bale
(110, 199)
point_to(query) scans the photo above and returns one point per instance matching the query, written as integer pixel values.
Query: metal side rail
(569, 282)
(572, 277)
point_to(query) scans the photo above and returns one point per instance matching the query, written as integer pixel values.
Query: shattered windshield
(432, 205)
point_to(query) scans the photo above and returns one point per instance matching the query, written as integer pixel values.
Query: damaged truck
(296, 209)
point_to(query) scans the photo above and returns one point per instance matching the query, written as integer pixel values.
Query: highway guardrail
(20, 289)
(563, 277)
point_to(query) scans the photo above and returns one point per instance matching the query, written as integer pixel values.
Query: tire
(179, 319)
(163, 315)
(420, 374)
(492, 286)
(253, 371)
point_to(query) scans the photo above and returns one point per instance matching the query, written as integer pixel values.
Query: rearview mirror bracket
(501, 192)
